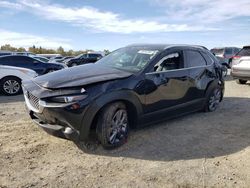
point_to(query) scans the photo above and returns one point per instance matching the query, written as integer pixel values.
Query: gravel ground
(197, 150)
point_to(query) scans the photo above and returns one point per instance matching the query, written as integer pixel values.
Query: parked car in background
(49, 55)
(64, 59)
(31, 63)
(12, 77)
(241, 65)
(3, 53)
(43, 59)
(83, 59)
(131, 87)
(24, 53)
(226, 53)
(54, 59)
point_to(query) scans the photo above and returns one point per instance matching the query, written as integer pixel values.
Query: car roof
(16, 56)
(167, 46)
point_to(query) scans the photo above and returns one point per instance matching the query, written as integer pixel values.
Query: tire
(239, 81)
(73, 64)
(213, 100)
(113, 125)
(10, 86)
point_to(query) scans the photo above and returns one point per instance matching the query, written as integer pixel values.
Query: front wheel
(213, 100)
(113, 125)
(10, 86)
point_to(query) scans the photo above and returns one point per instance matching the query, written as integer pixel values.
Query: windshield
(132, 59)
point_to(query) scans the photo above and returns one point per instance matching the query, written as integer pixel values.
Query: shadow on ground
(11, 99)
(194, 136)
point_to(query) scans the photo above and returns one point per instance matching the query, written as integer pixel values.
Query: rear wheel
(239, 81)
(10, 86)
(213, 100)
(113, 125)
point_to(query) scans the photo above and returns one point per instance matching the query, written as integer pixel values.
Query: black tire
(112, 135)
(213, 99)
(239, 81)
(73, 64)
(10, 86)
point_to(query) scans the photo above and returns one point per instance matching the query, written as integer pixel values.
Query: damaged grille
(33, 100)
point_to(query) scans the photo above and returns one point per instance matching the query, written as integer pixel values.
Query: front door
(167, 84)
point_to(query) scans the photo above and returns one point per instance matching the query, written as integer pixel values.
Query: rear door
(200, 71)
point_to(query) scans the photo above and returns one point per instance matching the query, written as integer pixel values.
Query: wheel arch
(211, 85)
(91, 115)
(11, 76)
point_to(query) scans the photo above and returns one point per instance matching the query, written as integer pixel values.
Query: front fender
(101, 101)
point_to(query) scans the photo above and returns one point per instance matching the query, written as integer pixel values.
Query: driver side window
(172, 61)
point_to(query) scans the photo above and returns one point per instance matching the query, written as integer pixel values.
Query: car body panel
(22, 73)
(80, 76)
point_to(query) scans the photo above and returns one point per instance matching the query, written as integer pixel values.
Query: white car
(241, 65)
(11, 79)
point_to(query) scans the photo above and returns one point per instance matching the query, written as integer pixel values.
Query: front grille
(33, 100)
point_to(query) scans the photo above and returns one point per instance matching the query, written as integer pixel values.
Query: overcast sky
(110, 24)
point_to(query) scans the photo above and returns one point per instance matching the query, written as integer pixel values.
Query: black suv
(133, 86)
(83, 59)
(30, 63)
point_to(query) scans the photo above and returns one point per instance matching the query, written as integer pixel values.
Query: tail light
(235, 58)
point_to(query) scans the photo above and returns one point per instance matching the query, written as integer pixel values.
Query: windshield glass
(132, 59)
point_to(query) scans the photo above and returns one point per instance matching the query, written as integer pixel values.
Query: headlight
(68, 99)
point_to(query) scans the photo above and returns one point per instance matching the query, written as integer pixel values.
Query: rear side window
(208, 59)
(244, 52)
(22, 59)
(6, 61)
(194, 59)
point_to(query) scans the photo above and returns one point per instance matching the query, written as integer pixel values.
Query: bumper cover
(57, 130)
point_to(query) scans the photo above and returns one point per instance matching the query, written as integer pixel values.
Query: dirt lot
(198, 150)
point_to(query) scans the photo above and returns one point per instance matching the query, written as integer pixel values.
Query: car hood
(79, 76)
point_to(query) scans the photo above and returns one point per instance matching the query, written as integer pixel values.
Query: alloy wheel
(119, 126)
(11, 87)
(214, 100)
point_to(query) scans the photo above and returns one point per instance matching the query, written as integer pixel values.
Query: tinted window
(229, 51)
(22, 59)
(194, 59)
(6, 61)
(172, 61)
(208, 59)
(244, 52)
(93, 55)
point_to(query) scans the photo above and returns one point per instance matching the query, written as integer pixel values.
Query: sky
(111, 24)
